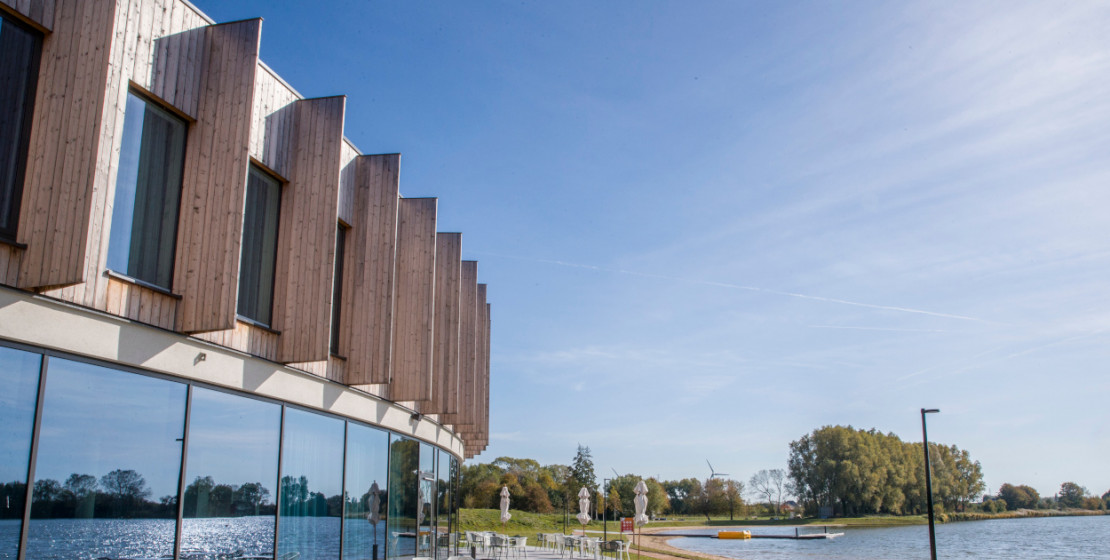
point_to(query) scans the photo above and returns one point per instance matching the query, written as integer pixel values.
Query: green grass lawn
(528, 524)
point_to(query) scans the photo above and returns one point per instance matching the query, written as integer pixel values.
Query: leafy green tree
(1018, 497)
(860, 472)
(684, 495)
(582, 469)
(734, 490)
(658, 503)
(1071, 495)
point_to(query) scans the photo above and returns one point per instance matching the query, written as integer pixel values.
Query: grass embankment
(526, 523)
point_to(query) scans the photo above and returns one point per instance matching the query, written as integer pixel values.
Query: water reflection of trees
(205, 498)
(120, 494)
(11, 499)
(298, 500)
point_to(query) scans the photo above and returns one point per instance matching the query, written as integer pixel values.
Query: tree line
(858, 472)
(834, 470)
(1011, 497)
(554, 488)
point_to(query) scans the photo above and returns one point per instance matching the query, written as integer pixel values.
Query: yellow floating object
(734, 534)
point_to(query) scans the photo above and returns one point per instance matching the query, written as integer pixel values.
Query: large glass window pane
(19, 53)
(453, 501)
(259, 251)
(231, 475)
(148, 193)
(443, 505)
(404, 468)
(19, 378)
(311, 486)
(109, 460)
(426, 498)
(365, 498)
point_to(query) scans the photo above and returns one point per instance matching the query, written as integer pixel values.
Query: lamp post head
(928, 410)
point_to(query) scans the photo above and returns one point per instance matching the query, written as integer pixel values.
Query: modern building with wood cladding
(223, 331)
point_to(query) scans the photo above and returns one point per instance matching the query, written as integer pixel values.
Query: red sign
(626, 525)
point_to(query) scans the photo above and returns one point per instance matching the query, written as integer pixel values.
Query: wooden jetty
(798, 536)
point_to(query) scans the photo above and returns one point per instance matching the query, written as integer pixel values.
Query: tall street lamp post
(929, 484)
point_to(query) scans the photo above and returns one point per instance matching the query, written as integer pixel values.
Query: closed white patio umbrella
(505, 505)
(641, 501)
(583, 506)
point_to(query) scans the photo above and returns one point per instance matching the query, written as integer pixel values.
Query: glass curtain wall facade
(101, 462)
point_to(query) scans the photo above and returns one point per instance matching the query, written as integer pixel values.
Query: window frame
(22, 156)
(150, 99)
(281, 183)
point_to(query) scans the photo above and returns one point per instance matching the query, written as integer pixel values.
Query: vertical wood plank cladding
(140, 304)
(38, 11)
(306, 239)
(414, 300)
(65, 147)
(445, 360)
(367, 315)
(272, 119)
(9, 264)
(481, 368)
(245, 338)
(209, 231)
(348, 175)
(464, 420)
(488, 378)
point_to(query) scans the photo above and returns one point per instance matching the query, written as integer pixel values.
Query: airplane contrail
(745, 288)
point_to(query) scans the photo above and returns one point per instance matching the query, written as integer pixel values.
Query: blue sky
(710, 228)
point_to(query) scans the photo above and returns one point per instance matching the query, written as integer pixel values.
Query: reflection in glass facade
(107, 476)
(311, 486)
(148, 193)
(443, 505)
(426, 499)
(19, 380)
(231, 477)
(366, 498)
(404, 465)
(109, 459)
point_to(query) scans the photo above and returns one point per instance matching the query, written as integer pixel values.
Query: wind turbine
(712, 473)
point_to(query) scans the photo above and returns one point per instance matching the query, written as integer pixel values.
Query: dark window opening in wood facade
(259, 251)
(148, 193)
(19, 58)
(337, 286)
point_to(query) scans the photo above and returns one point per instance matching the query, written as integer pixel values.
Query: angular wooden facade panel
(366, 321)
(306, 240)
(414, 300)
(445, 358)
(348, 179)
(481, 366)
(272, 122)
(466, 417)
(9, 264)
(138, 28)
(210, 226)
(40, 12)
(66, 154)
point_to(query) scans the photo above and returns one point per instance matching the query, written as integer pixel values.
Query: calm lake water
(1051, 538)
(87, 539)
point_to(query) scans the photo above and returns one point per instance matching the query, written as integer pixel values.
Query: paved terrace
(657, 549)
